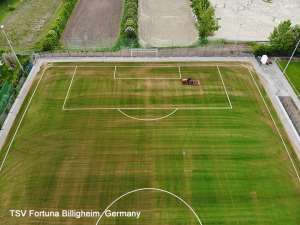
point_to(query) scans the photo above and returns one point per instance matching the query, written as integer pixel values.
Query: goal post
(137, 50)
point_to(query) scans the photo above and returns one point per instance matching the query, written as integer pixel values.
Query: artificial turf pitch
(236, 169)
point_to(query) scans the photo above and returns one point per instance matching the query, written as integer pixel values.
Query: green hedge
(53, 36)
(129, 20)
(17, 78)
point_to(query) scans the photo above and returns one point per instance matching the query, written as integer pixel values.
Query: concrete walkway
(271, 73)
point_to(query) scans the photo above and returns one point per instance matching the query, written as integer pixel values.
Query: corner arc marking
(148, 119)
(155, 189)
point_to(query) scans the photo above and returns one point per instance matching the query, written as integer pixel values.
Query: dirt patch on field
(94, 19)
(166, 23)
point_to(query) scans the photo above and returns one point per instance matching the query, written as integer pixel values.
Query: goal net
(144, 52)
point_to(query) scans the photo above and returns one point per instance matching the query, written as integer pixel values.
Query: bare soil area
(94, 19)
(258, 18)
(166, 23)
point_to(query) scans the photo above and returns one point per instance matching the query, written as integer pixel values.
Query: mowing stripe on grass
(275, 124)
(21, 120)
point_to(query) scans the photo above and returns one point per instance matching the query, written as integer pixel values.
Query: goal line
(155, 51)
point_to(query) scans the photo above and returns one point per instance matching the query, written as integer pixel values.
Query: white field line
(224, 87)
(155, 189)
(208, 108)
(288, 79)
(145, 78)
(148, 119)
(22, 119)
(141, 66)
(179, 71)
(69, 88)
(275, 125)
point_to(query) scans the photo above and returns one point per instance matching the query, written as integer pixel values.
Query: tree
(208, 24)
(9, 59)
(285, 37)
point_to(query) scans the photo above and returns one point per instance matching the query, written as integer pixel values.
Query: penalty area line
(275, 125)
(69, 88)
(21, 119)
(224, 87)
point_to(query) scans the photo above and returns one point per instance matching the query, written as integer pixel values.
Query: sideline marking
(179, 71)
(69, 88)
(224, 87)
(148, 119)
(155, 189)
(275, 124)
(288, 78)
(22, 118)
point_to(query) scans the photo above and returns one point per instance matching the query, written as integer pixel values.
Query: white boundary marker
(288, 78)
(224, 87)
(208, 108)
(147, 119)
(275, 125)
(69, 87)
(21, 119)
(143, 189)
(154, 50)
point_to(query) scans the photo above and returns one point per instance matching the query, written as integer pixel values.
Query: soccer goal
(146, 51)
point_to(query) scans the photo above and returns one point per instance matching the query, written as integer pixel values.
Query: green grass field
(292, 74)
(236, 169)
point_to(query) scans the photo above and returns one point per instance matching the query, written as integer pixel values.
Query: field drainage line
(275, 125)
(21, 120)
(155, 189)
(224, 87)
(147, 119)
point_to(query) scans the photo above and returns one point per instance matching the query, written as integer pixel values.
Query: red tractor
(189, 81)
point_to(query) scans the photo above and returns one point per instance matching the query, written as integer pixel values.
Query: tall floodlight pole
(288, 64)
(289, 60)
(2, 27)
(237, 36)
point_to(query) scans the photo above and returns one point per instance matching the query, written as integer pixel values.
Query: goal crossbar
(154, 50)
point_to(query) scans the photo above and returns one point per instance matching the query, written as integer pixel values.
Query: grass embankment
(292, 75)
(235, 171)
(28, 24)
(8, 75)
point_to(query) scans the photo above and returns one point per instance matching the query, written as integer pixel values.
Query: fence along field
(235, 163)
(94, 19)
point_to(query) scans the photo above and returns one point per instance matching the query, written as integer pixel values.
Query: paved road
(271, 73)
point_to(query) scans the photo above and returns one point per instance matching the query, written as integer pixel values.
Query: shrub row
(53, 36)
(129, 20)
(17, 78)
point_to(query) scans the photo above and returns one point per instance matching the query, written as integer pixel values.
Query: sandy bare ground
(257, 18)
(94, 19)
(164, 23)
